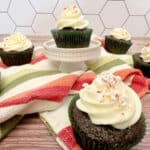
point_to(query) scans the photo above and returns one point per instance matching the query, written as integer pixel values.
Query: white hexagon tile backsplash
(39, 16)
(114, 14)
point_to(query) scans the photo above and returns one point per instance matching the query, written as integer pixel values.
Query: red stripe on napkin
(55, 94)
(53, 91)
(2, 65)
(87, 77)
(66, 135)
(139, 83)
(38, 59)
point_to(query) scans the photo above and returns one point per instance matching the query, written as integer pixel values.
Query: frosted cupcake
(142, 60)
(107, 115)
(16, 49)
(72, 29)
(118, 42)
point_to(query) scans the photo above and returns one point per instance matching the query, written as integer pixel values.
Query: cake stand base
(72, 66)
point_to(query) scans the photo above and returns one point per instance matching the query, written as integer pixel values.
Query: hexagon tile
(21, 12)
(148, 34)
(138, 7)
(136, 25)
(106, 32)
(114, 14)
(6, 24)
(39, 16)
(95, 23)
(45, 6)
(24, 30)
(87, 6)
(4, 5)
(148, 17)
(43, 23)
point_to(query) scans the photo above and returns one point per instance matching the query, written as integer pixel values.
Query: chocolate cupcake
(107, 115)
(16, 49)
(142, 60)
(72, 29)
(118, 42)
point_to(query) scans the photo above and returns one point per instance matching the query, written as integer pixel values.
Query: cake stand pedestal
(71, 59)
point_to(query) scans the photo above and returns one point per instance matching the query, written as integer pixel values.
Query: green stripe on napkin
(10, 124)
(15, 75)
(109, 65)
(100, 62)
(24, 78)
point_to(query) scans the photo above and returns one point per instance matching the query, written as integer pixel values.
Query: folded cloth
(34, 88)
(137, 81)
(60, 127)
(10, 124)
(27, 90)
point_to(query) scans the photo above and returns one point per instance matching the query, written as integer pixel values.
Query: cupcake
(16, 49)
(142, 60)
(118, 42)
(72, 29)
(107, 115)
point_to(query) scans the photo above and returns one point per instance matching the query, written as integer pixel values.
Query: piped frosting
(120, 33)
(145, 53)
(108, 101)
(71, 17)
(15, 42)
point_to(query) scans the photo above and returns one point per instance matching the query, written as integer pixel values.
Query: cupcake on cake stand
(71, 44)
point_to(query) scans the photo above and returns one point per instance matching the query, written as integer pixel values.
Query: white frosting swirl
(145, 54)
(108, 101)
(16, 42)
(121, 33)
(72, 17)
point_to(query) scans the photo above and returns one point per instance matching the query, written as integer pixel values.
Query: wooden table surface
(31, 134)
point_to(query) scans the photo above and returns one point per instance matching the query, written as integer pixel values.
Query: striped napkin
(34, 88)
(60, 127)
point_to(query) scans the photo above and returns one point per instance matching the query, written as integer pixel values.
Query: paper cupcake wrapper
(16, 58)
(69, 38)
(116, 46)
(140, 64)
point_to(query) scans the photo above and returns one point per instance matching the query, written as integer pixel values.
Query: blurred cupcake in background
(16, 49)
(118, 42)
(72, 29)
(142, 60)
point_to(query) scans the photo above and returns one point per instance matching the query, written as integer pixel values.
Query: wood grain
(31, 134)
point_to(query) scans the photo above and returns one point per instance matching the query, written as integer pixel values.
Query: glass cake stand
(71, 59)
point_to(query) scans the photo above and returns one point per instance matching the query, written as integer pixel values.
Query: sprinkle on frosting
(108, 101)
(145, 53)
(16, 42)
(121, 33)
(71, 17)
